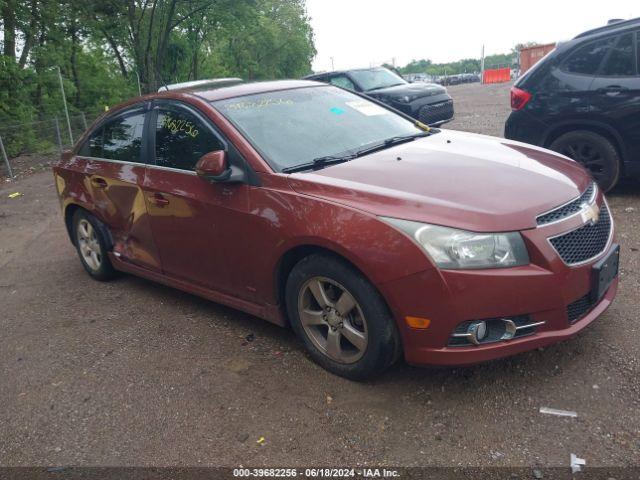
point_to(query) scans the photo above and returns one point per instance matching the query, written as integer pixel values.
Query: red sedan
(371, 235)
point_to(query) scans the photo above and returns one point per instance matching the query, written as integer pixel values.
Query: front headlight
(407, 98)
(451, 248)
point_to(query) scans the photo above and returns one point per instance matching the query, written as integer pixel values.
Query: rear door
(198, 226)
(567, 93)
(115, 154)
(616, 91)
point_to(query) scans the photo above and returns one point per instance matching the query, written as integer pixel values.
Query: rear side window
(182, 138)
(117, 139)
(620, 60)
(93, 146)
(638, 50)
(122, 138)
(586, 60)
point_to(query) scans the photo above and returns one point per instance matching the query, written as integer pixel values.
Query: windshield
(376, 78)
(294, 127)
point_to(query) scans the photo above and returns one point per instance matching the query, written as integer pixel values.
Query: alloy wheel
(89, 245)
(590, 157)
(333, 320)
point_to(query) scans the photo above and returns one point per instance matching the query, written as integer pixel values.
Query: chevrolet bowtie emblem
(590, 213)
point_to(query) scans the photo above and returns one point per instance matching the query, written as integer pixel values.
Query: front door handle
(159, 200)
(99, 182)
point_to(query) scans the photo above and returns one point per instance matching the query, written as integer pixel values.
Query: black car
(583, 100)
(427, 102)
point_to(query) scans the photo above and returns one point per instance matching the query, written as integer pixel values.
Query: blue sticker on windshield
(336, 110)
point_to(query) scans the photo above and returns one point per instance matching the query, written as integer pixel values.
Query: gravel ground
(134, 373)
(480, 108)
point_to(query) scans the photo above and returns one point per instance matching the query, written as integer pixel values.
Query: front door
(197, 225)
(616, 91)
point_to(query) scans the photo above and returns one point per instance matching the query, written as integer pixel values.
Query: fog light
(478, 331)
(481, 330)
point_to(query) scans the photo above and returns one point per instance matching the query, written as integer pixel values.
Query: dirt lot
(133, 373)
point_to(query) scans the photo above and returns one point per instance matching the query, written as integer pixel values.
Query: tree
(102, 46)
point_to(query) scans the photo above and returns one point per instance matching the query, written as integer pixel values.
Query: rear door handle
(99, 182)
(159, 200)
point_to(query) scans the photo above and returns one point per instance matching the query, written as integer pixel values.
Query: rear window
(620, 60)
(586, 60)
(119, 138)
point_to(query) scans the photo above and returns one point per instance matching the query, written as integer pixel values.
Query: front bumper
(424, 355)
(543, 290)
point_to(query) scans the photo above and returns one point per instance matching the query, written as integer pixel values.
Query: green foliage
(103, 46)
(468, 65)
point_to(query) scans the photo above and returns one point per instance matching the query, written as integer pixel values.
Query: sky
(361, 33)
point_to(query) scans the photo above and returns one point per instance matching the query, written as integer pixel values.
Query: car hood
(456, 179)
(414, 90)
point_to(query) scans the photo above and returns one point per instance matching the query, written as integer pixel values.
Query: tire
(91, 246)
(364, 337)
(595, 152)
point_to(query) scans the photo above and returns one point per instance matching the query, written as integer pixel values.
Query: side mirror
(213, 167)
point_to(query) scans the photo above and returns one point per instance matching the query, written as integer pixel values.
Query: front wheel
(596, 153)
(341, 318)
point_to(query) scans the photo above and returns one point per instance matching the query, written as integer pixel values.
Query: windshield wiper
(327, 160)
(389, 142)
(320, 162)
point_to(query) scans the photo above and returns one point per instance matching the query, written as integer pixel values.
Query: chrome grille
(571, 208)
(435, 113)
(586, 242)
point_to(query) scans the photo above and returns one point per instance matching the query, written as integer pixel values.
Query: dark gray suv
(427, 102)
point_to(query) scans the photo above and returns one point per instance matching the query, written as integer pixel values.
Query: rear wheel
(341, 318)
(596, 153)
(91, 246)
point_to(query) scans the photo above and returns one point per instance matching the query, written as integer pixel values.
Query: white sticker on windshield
(368, 108)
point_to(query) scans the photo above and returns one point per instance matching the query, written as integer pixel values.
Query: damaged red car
(371, 235)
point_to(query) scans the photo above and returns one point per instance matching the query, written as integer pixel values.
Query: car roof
(210, 94)
(244, 89)
(612, 27)
(332, 72)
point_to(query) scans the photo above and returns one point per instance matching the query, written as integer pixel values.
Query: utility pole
(482, 66)
(64, 100)
(332, 65)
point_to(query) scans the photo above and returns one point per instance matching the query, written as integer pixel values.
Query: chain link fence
(27, 147)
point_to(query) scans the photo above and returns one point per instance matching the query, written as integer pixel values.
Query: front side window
(182, 138)
(586, 60)
(342, 81)
(620, 61)
(293, 127)
(376, 78)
